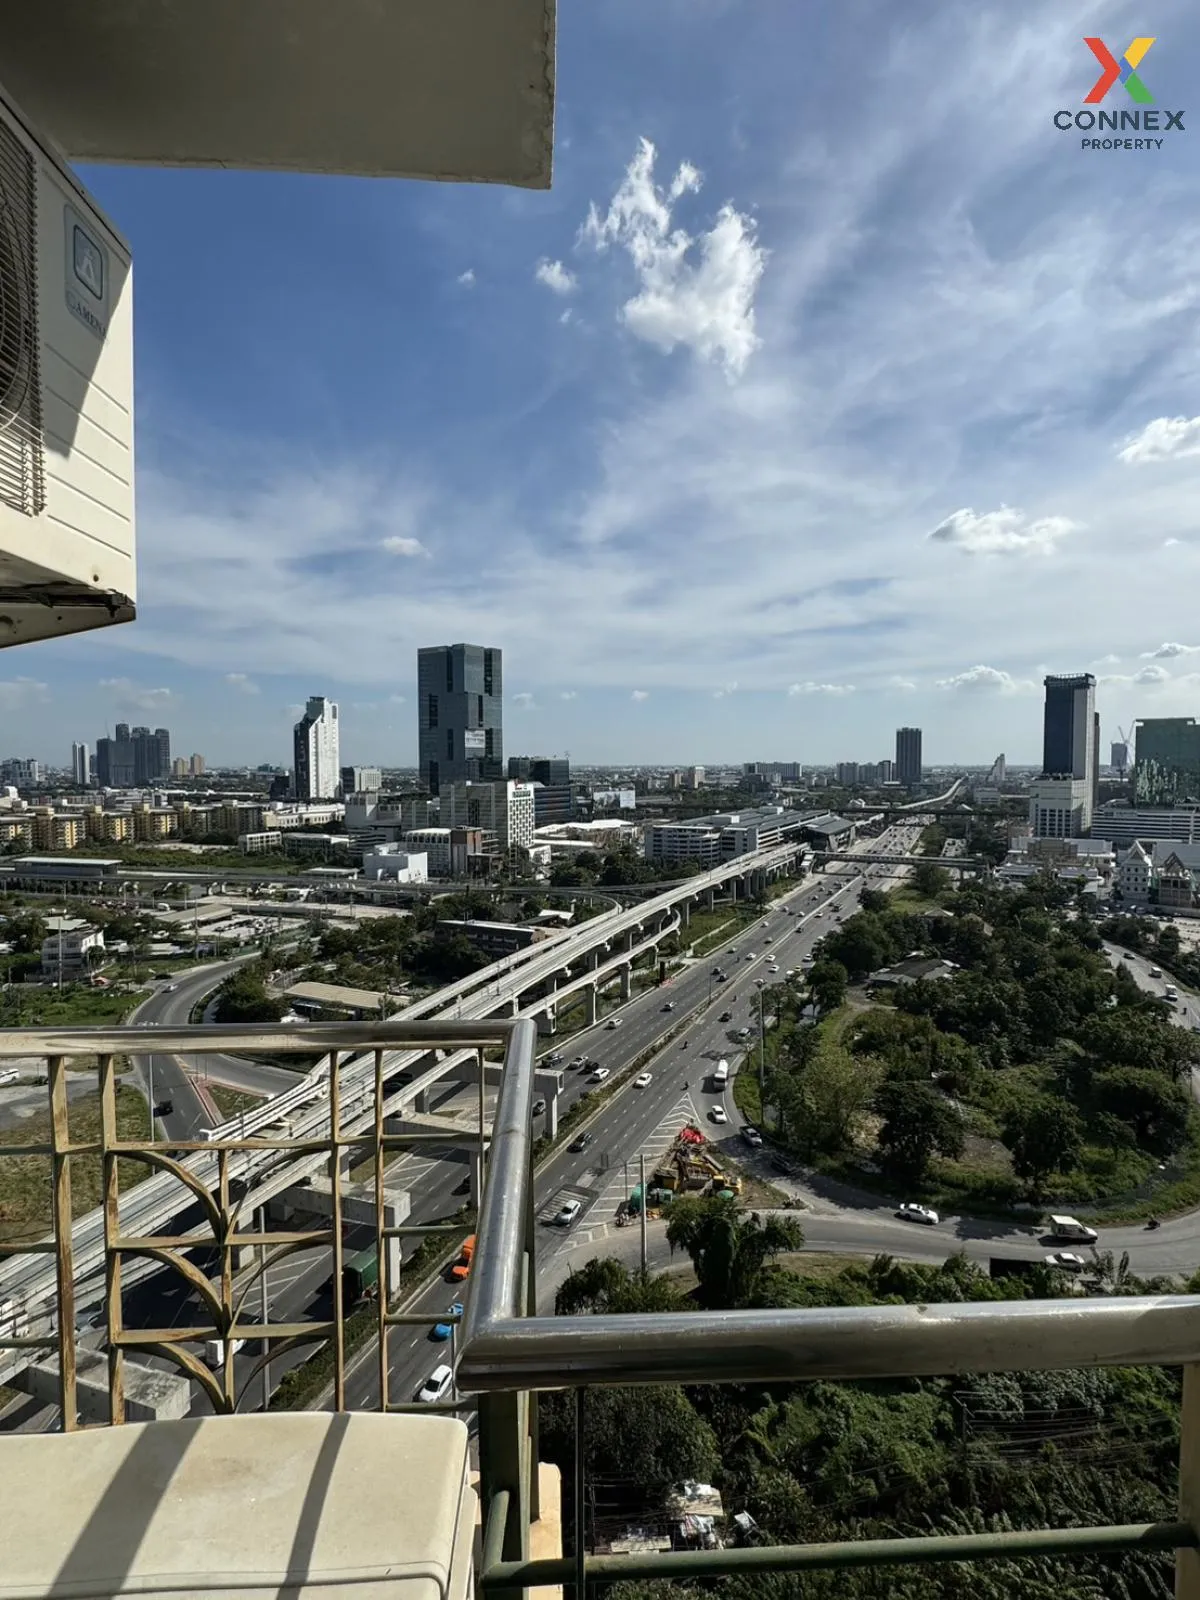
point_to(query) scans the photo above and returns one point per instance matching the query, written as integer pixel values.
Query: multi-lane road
(645, 1120)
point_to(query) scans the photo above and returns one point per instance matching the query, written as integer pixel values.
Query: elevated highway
(951, 863)
(526, 984)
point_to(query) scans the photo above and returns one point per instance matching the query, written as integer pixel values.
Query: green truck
(360, 1277)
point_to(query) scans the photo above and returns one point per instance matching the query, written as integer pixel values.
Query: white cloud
(640, 694)
(1164, 439)
(467, 278)
(557, 278)
(1143, 678)
(820, 688)
(720, 694)
(18, 693)
(1003, 532)
(523, 702)
(904, 685)
(398, 699)
(1167, 652)
(240, 682)
(694, 290)
(399, 545)
(134, 697)
(986, 680)
(569, 694)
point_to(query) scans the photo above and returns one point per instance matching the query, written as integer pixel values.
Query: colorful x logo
(1125, 69)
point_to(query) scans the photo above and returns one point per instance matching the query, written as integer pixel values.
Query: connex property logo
(1125, 128)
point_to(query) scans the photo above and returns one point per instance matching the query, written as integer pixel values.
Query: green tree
(605, 1285)
(930, 880)
(1044, 1135)
(729, 1248)
(25, 931)
(243, 998)
(918, 1124)
(647, 1437)
(827, 983)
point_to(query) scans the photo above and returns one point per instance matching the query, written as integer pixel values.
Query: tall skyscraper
(1063, 800)
(316, 750)
(908, 756)
(79, 765)
(1069, 727)
(460, 718)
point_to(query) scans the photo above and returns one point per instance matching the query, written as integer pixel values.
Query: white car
(773, 966)
(642, 1081)
(1065, 1261)
(910, 1212)
(599, 1075)
(614, 1022)
(717, 1114)
(567, 1213)
(436, 1385)
(750, 956)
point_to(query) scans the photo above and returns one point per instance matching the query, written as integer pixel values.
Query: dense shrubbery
(1036, 1042)
(884, 1459)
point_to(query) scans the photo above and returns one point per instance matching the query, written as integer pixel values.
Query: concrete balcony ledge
(316, 1505)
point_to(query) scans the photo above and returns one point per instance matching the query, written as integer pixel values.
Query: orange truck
(463, 1265)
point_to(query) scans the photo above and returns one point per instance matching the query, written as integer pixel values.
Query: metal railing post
(1187, 1562)
(60, 1206)
(504, 1465)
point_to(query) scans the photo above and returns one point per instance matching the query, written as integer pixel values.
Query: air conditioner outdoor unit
(66, 399)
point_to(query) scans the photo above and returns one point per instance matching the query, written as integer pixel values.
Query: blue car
(441, 1330)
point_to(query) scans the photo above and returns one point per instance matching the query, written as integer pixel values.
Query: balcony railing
(506, 1352)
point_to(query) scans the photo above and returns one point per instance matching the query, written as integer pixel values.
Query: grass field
(25, 1180)
(30, 1006)
(232, 1101)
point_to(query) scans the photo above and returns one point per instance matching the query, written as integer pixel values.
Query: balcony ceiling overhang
(460, 90)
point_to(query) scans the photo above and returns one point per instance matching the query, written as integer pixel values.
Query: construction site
(690, 1166)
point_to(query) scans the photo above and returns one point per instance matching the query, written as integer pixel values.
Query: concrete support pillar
(685, 914)
(626, 981)
(547, 1021)
(710, 899)
(589, 996)
(475, 1175)
(551, 1117)
(421, 1102)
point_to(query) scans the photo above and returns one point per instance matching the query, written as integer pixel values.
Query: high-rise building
(908, 756)
(316, 749)
(460, 719)
(114, 760)
(505, 809)
(361, 780)
(79, 765)
(553, 796)
(1069, 727)
(1062, 802)
(1118, 756)
(1166, 766)
(196, 766)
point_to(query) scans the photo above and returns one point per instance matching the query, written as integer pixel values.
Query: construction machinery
(691, 1167)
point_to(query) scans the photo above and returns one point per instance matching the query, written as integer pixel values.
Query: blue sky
(829, 388)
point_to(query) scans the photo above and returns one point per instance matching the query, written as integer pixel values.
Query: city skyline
(749, 496)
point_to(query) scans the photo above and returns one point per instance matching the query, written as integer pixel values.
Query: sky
(829, 388)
